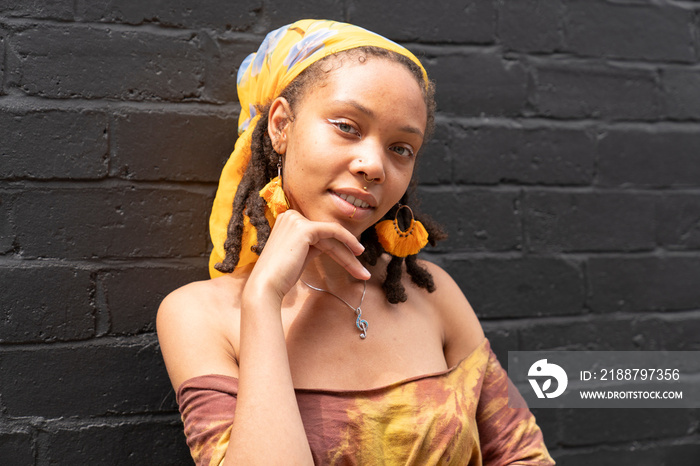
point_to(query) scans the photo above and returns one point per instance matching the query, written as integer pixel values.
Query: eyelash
(339, 123)
(411, 154)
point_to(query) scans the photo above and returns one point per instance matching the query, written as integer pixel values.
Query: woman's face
(364, 121)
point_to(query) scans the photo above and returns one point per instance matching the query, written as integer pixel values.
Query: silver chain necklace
(362, 325)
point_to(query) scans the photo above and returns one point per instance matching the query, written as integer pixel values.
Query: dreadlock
(263, 167)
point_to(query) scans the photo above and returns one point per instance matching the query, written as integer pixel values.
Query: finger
(322, 230)
(344, 257)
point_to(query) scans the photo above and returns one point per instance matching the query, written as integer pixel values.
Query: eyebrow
(371, 114)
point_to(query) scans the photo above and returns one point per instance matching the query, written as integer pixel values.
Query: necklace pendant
(362, 325)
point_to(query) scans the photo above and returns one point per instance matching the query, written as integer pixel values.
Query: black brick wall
(565, 166)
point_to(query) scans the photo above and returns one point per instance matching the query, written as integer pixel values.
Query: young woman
(316, 341)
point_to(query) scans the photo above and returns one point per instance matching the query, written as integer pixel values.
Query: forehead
(380, 81)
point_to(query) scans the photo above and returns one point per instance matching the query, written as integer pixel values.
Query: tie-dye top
(456, 417)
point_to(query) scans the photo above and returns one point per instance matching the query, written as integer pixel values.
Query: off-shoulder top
(456, 417)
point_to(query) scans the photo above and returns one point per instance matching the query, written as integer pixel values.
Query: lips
(353, 200)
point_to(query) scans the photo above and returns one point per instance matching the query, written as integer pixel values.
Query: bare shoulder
(461, 327)
(197, 328)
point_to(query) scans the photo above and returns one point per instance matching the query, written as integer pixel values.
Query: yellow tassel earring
(274, 194)
(401, 243)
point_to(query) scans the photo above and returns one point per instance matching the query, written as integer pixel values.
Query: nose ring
(368, 180)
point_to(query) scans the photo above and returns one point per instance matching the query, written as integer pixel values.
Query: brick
(599, 426)
(39, 9)
(98, 62)
(631, 284)
(549, 422)
(587, 90)
(120, 377)
(602, 333)
(501, 338)
(476, 220)
(133, 309)
(561, 221)
(77, 142)
(434, 164)
(519, 287)
(681, 93)
(422, 21)
(629, 31)
(117, 222)
(148, 442)
(683, 452)
(225, 53)
(278, 14)
(7, 234)
(677, 331)
(678, 221)
(45, 303)
(520, 155)
(237, 16)
(2, 63)
(194, 147)
(651, 159)
(476, 83)
(531, 25)
(16, 448)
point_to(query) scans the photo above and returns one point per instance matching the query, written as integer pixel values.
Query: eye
(403, 151)
(345, 127)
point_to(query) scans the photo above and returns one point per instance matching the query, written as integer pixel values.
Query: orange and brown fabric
(456, 417)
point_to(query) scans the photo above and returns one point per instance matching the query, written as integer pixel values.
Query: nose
(369, 163)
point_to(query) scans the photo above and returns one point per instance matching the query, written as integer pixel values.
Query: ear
(278, 119)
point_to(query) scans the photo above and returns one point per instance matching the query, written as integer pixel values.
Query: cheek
(399, 181)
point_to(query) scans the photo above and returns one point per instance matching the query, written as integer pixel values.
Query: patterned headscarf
(262, 77)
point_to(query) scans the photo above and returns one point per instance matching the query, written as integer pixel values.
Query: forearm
(267, 427)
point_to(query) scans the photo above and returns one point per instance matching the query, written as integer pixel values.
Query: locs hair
(263, 167)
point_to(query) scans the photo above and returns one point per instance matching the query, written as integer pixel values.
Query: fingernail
(367, 271)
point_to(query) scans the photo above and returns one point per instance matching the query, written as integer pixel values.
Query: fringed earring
(274, 194)
(398, 242)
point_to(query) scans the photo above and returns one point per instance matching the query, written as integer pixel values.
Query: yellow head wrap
(262, 77)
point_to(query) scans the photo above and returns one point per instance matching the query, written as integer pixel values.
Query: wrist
(259, 293)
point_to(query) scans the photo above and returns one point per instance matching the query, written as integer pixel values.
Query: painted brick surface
(639, 31)
(92, 380)
(681, 91)
(114, 222)
(576, 222)
(194, 148)
(476, 219)
(593, 90)
(16, 448)
(564, 166)
(64, 144)
(533, 286)
(523, 155)
(124, 443)
(45, 304)
(492, 86)
(531, 25)
(422, 21)
(132, 309)
(7, 235)
(240, 15)
(650, 158)
(92, 62)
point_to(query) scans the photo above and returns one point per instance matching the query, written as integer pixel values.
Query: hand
(294, 241)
